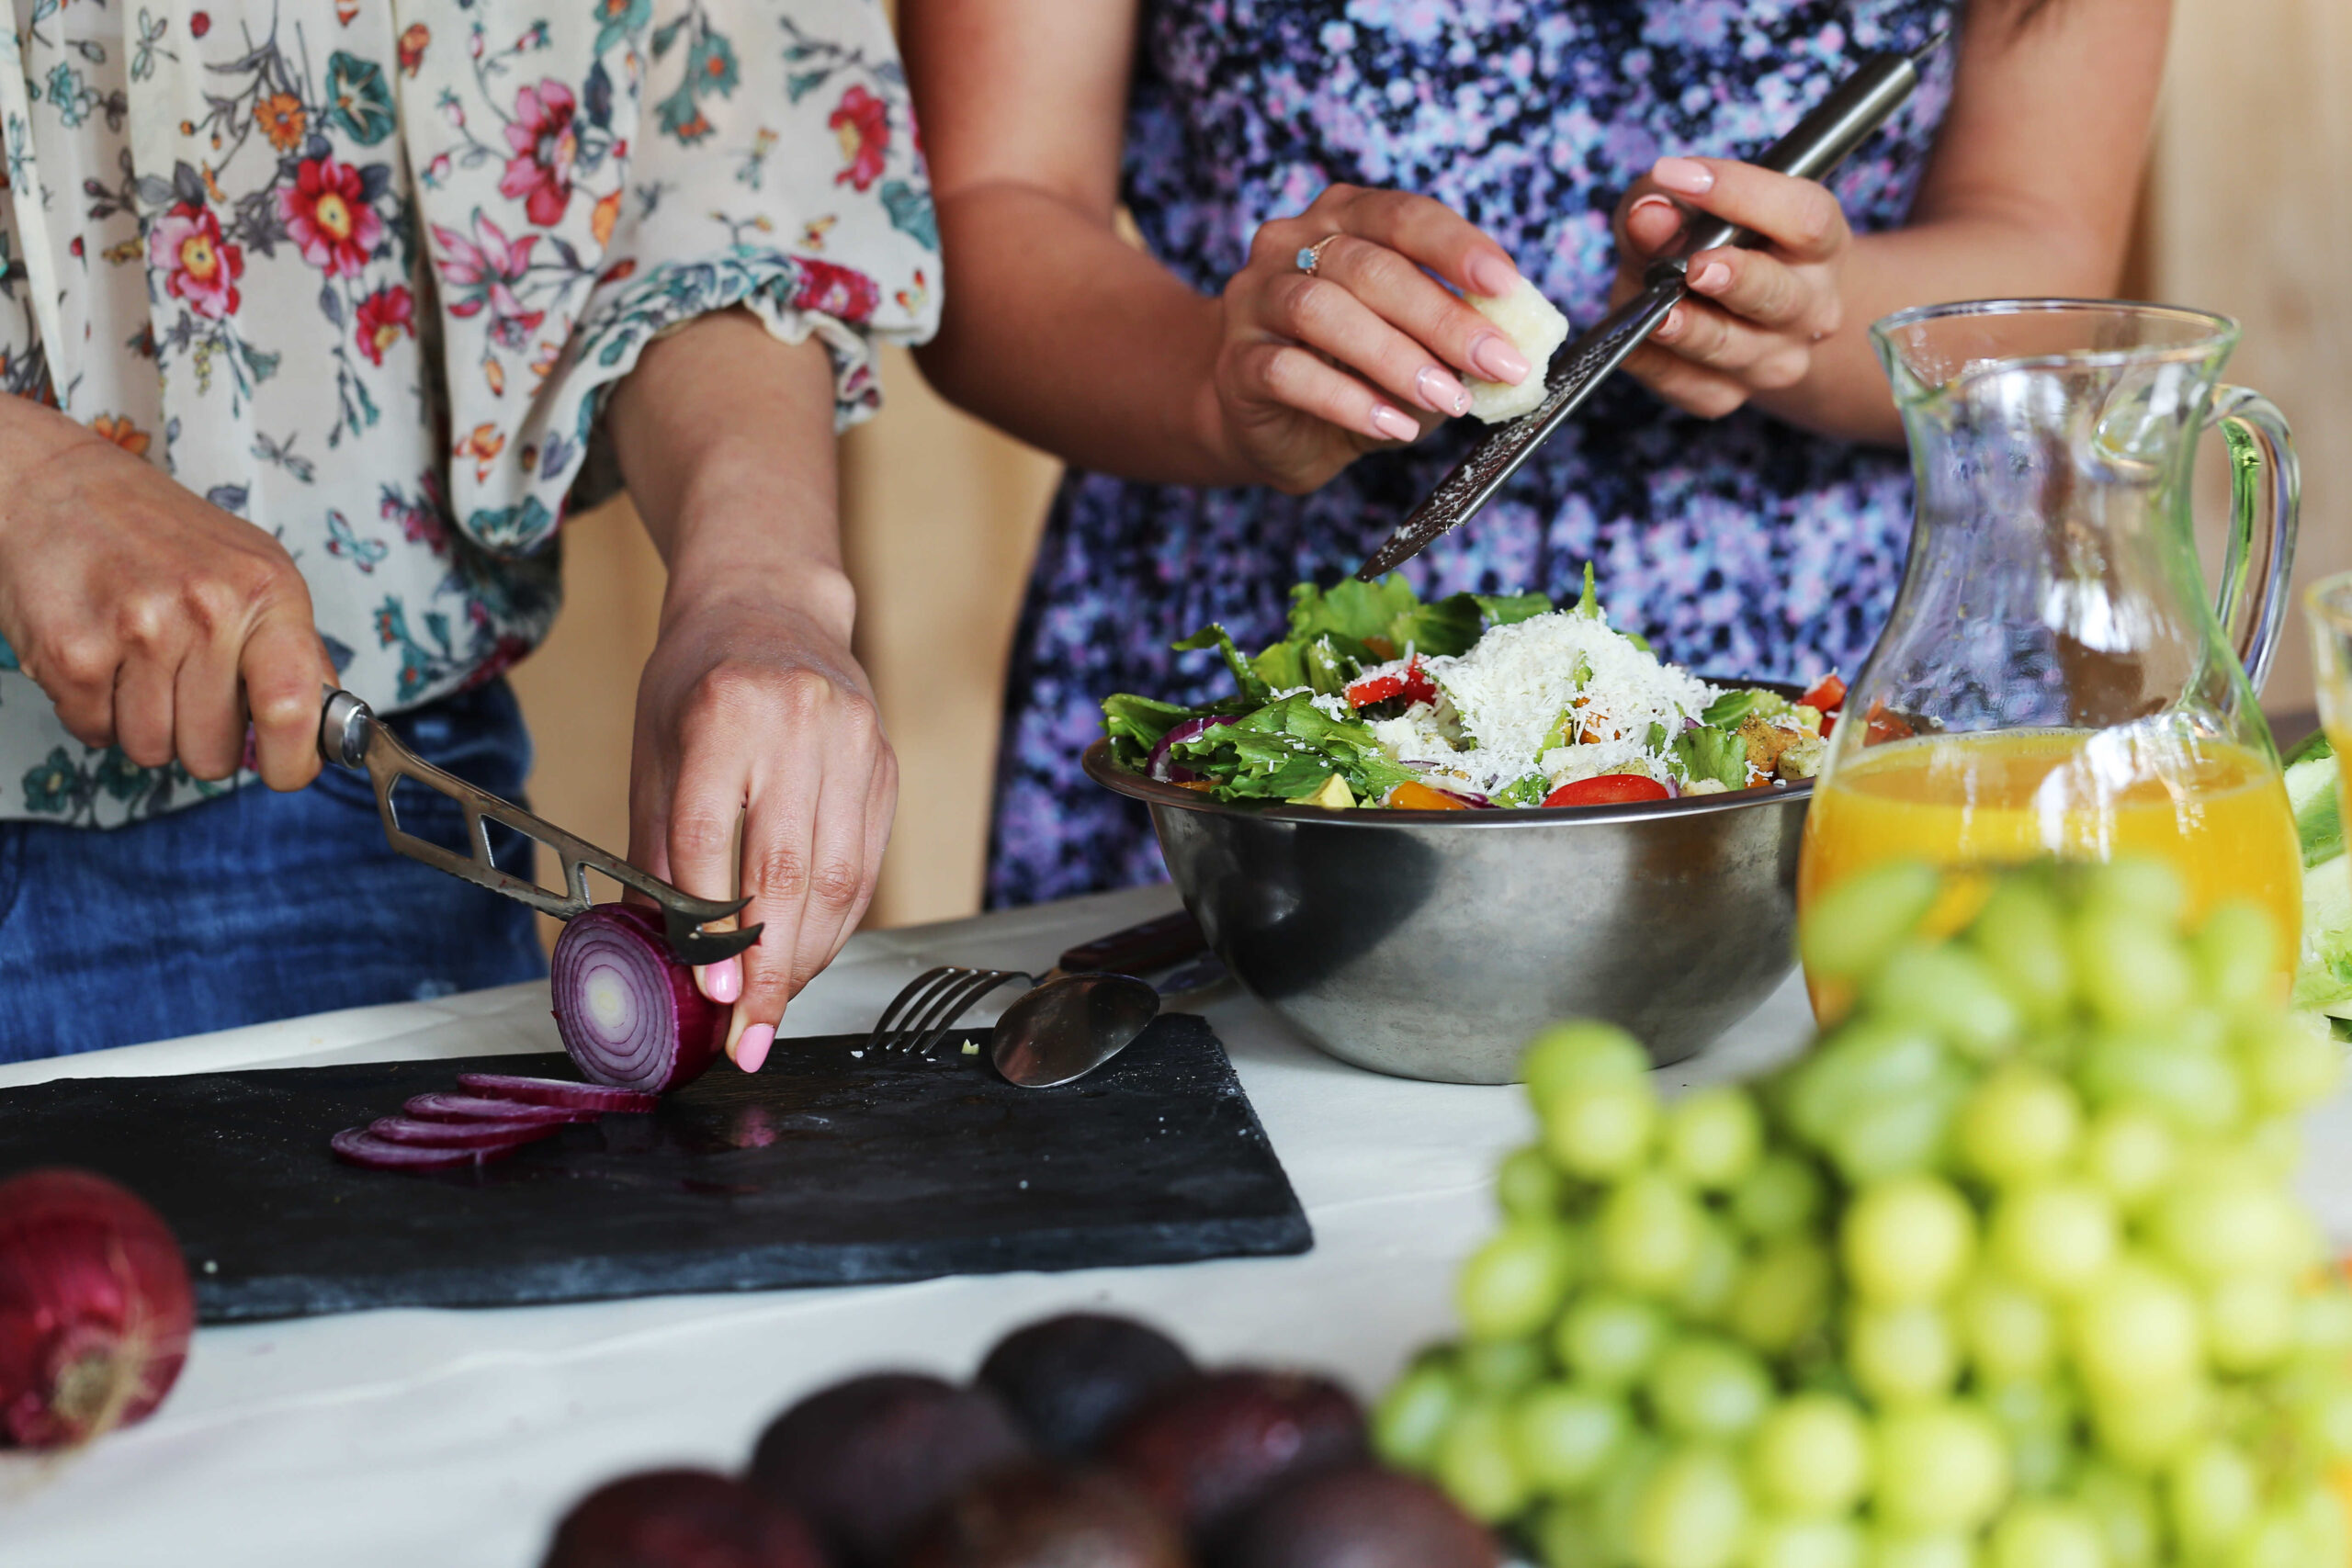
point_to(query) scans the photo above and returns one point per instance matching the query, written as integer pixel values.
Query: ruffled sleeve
(591, 174)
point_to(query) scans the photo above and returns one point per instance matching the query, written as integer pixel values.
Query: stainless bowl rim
(1110, 775)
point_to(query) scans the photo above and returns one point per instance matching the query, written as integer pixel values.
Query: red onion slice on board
(460, 1134)
(443, 1107)
(557, 1092)
(359, 1146)
(627, 1007)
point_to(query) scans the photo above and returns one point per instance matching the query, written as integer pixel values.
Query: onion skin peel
(628, 1008)
(95, 1310)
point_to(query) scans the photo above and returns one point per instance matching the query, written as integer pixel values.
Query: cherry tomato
(1607, 789)
(1411, 685)
(1827, 697)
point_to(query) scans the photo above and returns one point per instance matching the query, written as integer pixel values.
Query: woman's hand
(1316, 369)
(752, 709)
(153, 620)
(1759, 314)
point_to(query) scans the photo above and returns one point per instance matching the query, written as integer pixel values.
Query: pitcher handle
(2261, 447)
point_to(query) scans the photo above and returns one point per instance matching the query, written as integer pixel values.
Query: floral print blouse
(362, 272)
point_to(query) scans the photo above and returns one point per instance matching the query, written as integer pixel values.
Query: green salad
(1374, 696)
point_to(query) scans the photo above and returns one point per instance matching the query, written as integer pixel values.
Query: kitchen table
(457, 1438)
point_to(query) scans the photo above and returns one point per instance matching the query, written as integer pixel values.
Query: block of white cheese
(1536, 328)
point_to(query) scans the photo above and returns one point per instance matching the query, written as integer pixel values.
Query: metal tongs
(350, 735)
(1854, 109)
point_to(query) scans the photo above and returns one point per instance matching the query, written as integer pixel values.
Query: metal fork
(926, 1007)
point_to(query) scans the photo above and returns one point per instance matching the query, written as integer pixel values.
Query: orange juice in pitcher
(2053, 679)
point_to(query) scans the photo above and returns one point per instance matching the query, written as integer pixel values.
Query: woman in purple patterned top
(1235, 425)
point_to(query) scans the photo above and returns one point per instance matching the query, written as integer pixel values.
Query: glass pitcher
(2055, 678)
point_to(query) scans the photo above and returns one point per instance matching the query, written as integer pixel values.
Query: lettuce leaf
(1286, 750)
(1253, 686)
(1447, 626)
(1509, 609)
(1354, 610)
(1136, 724)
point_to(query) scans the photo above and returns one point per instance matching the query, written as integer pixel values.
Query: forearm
(1060, 332)
(1935, 262)
(725, 437)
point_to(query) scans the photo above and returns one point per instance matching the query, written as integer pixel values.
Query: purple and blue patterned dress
(1740, 547)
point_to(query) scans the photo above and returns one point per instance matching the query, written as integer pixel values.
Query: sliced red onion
(357, 1146)
(441, 1107)
(557, 1092)
(627, 1008)
(1673, 790)
(460, 1134)
(1157, 767)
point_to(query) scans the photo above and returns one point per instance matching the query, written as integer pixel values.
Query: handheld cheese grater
(1854, 109)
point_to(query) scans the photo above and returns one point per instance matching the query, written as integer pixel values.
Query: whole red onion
(94, 1308)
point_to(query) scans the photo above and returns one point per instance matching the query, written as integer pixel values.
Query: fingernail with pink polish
(1686, 174)
(1492, 356)
(1392, 424)
(1492, 274)
(752, 1049)
(1440, 393)
(1710, 277)
(721, 982)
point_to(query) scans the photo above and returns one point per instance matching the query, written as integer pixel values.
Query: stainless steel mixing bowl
(1431, 944)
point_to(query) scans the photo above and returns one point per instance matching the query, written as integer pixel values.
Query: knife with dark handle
(1854, 109)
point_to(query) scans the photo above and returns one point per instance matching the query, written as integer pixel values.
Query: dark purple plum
(681, 1518)
(1360, 1516)
(864, 1462)
(1071, 1380)
(1207, 1448)
(1048, 1517)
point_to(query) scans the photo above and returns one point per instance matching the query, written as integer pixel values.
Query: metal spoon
(1067, 1027)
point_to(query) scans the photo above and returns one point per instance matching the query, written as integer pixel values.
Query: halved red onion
(460, 1134)
(1157, 767)
(626, 1005)
(359, 1146)
(557, 1092)
(443, 1107)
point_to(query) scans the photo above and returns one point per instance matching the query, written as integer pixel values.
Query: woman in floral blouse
(320, 314)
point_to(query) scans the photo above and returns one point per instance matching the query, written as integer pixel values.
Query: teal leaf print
(619, 19)
(359, 102)
(8, 656)
(911, 212)
(123, 778)
(511, 527)
(51, 786)
(711, 65)
(681, 119)
(800, 84)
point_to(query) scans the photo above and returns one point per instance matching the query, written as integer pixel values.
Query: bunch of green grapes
(2005, 1273)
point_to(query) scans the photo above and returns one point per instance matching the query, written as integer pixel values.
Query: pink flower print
(546, 145)
(327, 213)
(199, 266)
(385, 316)
(862, 124)
(843, 293)
(481, 275)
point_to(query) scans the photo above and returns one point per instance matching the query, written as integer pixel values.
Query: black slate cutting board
(831, 1167)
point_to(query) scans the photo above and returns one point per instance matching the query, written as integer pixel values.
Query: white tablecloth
(455, 1439)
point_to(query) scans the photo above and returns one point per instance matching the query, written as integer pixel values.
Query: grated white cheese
(1509, 691)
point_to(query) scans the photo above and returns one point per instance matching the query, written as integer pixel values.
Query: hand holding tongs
(1820, 141)
(350, 735)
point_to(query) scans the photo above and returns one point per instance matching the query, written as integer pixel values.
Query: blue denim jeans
(260, 906)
